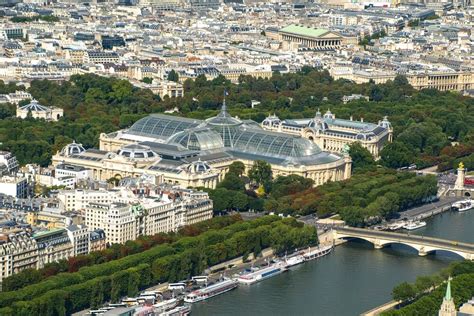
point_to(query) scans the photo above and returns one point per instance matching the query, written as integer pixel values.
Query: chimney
(351, 118)
(362, 119)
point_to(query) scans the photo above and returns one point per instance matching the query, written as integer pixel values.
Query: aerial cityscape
(236, 157)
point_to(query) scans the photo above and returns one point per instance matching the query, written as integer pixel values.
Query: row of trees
(91, 286)
(426, 294)
(114, 252)
(366, 198)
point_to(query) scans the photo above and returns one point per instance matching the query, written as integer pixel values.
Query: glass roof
(240, 138)
(273, 144)
(198, 139)
(161, 126)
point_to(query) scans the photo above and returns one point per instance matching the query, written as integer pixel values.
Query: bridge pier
(422, 252)
(377, 244)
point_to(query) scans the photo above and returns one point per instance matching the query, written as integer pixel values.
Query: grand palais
(197, 153)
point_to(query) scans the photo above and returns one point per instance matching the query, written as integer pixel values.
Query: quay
(380, 309)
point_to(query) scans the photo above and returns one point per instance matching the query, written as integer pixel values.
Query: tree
(221, 199)
(232, 182)
(404, 292)
(261, 172)
(239, 201)
(173, 76)
(237, 167)
(361, 157)
(396, 155)
(147, 80)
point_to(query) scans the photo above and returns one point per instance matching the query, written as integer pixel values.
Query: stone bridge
(424, 245)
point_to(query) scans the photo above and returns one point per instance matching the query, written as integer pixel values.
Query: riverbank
(353, 270)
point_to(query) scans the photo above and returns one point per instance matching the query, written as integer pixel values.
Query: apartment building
(20, 251)
(126, 214)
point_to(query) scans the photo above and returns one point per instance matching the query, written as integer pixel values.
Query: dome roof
(198, 139)
(329, 115)
(136, 151)
(385, 123)
(225, 125)
(271, 120)
(72, 149)
(34, 106)
(223, 118)
(198, 167)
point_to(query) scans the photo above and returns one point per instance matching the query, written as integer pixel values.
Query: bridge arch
(385, 244)
(448, 251)
(352, 238)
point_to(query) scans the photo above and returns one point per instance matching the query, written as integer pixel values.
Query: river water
(352, 279)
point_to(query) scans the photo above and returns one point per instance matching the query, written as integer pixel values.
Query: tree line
(369, 196)
(425, 295)
(425, 122)
(91, 286)
(114, 252)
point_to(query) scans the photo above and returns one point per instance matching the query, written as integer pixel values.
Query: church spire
(447, 307)
(448, 290)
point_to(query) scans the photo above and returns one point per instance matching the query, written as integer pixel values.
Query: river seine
(352, 279)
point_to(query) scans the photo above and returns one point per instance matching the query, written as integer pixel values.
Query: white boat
(177, 311)
(211, 291)
(412, 225)
(263, 273)
(165, 305)
(464, 205)
(294, 260)
(317, 252)
(397, 225)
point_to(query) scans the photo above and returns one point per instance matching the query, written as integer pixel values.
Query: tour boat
(211, 291)
(464, 205)
(317, 252)
(412, 225)
(263, 273)
(294, 260)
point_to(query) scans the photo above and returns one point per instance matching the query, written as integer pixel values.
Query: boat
(412, 225)
(263, 273)
(463, 205)
(211, 291)
(396, 225)
(317, 252)
(166, 305)
(294, 260)
(177, 311)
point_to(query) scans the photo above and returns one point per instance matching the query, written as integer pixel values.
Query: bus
(199, 279)
(176, 286)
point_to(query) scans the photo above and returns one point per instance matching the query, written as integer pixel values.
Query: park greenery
(425, 295)
(426, 122)
(113, 252)
(91, 286)
(371, 195)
